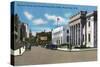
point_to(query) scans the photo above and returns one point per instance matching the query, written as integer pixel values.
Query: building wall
(75, 34)
(66, 34)
(90, 30)
(59, 35)
(17, 52)
(77, 29)
(83, 29)
(56, 35)
(23, 32)
(43, 38)
(16, 28)
(84, 35)
(27, 30)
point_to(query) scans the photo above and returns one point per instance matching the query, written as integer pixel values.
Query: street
(39, 55)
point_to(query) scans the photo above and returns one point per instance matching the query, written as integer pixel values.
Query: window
(67, 39)
(89, 38)
(67, 31)
(83, 37)
(88, 18)
(61, 40)
(89, 23)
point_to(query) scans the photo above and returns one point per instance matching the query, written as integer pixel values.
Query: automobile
(51, 46)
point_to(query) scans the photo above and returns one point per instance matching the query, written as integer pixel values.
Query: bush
(69, 46)
(82, 47)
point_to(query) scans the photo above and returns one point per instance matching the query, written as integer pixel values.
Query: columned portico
(76, 25)
(83, 29)
(76, 35)
(81, 35)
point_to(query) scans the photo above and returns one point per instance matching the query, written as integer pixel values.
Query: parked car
(51, 46)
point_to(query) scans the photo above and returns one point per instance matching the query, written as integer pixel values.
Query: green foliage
(69, 46)
(27, 39)
(31, 40)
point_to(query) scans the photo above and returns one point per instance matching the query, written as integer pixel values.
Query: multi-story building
(61, 35)
(83, 29)
(91, 29)
(77, 23)
(27, 30)
(43, 38)
(22, 32)
(17, 47)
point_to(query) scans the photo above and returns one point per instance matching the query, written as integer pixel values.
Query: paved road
(39, 55)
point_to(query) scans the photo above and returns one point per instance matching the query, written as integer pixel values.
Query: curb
(76, 50)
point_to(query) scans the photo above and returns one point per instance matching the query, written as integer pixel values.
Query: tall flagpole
(57, 21)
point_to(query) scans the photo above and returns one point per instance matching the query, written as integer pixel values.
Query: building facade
(61, 35)
(83, 29)
(17, 47)
(91, 29)
(27, 30)
(43, 38)
(77, 23)
(22, 32)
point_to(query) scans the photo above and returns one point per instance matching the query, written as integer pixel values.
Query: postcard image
(46, 33)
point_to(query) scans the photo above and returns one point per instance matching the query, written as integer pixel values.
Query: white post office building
(61, 35)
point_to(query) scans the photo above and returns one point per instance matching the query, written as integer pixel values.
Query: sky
(43, 16)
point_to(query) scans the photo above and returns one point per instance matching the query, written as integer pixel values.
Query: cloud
(39, 21)
(54, 18)
(28, 15)
(33, 33)
(67, 15)
(47, 30)
(40, 29)
(51, 17)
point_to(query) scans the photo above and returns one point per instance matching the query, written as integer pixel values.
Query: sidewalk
(75, 50)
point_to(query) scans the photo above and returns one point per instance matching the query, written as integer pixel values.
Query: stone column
(70, 35)
(78, 34)
(75, 35)
(81, 34)
(85, 33)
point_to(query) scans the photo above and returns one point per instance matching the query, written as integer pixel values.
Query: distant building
(30, 34)
(22, 32)
(43, 38)
(61, 35)
(27, 30)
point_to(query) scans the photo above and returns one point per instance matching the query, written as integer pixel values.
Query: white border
(5, 32)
